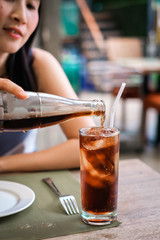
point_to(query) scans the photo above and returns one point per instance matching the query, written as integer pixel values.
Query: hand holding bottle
(9, 86)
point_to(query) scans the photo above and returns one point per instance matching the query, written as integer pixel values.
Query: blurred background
(100, 44)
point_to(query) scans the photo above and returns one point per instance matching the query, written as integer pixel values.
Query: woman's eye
(30, 6)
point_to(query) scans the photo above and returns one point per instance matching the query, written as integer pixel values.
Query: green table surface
(46, 217)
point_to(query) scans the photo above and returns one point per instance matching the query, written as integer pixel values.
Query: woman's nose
(19, 14)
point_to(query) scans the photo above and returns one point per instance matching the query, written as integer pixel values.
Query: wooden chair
(151, 100)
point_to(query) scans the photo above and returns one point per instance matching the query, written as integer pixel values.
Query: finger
(11, 87)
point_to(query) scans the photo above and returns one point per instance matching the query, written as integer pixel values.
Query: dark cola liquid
(99, 177)
(39, 122)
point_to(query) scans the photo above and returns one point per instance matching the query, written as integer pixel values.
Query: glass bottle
(42, 110)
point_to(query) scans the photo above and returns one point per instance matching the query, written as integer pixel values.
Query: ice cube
(94, 181)
(98, 174)
(116, 162)
(91, 174)
(93, 145)
(84, 162)
(100, 138)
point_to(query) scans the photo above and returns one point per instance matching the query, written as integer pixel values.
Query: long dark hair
(19, 65)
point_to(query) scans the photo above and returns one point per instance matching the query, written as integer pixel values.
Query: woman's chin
(10, 48)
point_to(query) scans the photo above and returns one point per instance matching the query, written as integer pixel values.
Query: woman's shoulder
(46, 67)
(43, 59)
(40, 55)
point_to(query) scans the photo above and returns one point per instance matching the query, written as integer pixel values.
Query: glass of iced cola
(99, 152)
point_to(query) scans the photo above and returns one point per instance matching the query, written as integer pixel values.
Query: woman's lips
(13, 32)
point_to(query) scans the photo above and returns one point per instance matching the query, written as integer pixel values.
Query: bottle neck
(94, 107)
(98, 107)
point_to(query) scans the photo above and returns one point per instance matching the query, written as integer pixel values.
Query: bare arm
(62, 156)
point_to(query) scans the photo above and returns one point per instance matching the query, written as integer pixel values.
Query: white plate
(14, 197)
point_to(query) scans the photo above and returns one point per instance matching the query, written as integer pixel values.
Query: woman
(34, 70)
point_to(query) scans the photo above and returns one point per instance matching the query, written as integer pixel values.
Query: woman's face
(18, 20)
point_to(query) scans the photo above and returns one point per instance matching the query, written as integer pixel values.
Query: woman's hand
(9, 86)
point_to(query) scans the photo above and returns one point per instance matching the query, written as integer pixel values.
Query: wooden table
(143, 65)
(138, 206)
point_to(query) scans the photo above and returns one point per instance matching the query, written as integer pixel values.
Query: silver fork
(68, 201)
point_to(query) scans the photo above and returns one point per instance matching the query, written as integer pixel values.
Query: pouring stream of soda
(114, 107)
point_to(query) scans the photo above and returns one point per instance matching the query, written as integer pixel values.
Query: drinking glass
(99, 153)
